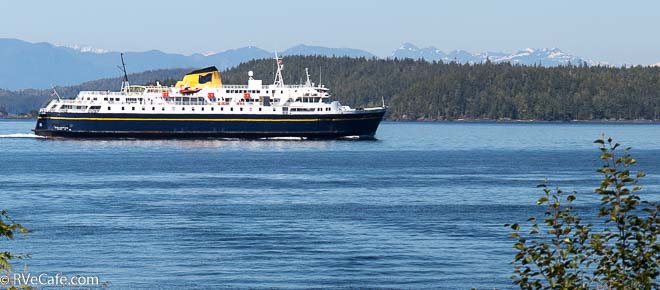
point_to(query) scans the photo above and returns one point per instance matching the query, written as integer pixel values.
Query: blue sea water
(421, 207)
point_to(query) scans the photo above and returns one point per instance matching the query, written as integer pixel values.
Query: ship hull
(161, 126)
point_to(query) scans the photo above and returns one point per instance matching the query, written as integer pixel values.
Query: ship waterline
(362, 125)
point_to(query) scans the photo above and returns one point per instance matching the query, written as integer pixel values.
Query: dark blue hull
(322, 126)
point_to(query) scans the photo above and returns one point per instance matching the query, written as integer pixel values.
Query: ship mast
(308, 82)
(279, 80)
(124, 82)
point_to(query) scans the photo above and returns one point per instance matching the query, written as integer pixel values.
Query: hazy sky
(614, 31)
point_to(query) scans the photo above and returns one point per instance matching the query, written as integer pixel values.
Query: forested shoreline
(435, 91)
(420, 90)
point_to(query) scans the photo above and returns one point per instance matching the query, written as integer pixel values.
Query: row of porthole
(184, 108)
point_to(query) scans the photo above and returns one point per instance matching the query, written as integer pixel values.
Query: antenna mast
(124, 82)
(279, 81)
(308, 82)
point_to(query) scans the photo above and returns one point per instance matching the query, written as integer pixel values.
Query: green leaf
(542, 200)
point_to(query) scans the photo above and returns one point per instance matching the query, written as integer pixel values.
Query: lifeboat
(189, 91)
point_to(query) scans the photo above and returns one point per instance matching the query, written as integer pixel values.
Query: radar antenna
(54, 93)
(279, 81)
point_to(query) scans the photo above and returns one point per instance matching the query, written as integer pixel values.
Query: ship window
(193, 108)
(273, 109)
(163, 109)
(222, 109)
(122, 108)
(105, 99)
(231, 109)
(142, 108)
(133, 108)
(153, 108)
(202, 108)
(212, 109)
(108, 108)
(259, 109)
(241, 109)
(183, 108)
(94, 99)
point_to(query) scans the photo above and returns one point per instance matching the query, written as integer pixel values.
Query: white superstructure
(253, 98)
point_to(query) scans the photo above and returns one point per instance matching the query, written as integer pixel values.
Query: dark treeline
(447, 91)
(420, 90)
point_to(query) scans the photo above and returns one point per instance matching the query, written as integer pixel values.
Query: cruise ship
(201, 106)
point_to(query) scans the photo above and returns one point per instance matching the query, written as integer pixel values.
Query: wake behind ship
(200, 106)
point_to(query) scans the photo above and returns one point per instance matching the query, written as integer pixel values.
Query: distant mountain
(325, 51)
(528, 56)
(41, 65)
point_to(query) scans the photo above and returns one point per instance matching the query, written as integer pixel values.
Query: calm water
(422, 207)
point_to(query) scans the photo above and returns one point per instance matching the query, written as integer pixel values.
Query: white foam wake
(20, 135)
(284, 138)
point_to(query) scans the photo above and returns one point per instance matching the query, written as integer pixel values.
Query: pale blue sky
(614, 31)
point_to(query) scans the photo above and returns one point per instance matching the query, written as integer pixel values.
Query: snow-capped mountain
(86, 48)
(527, 56)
